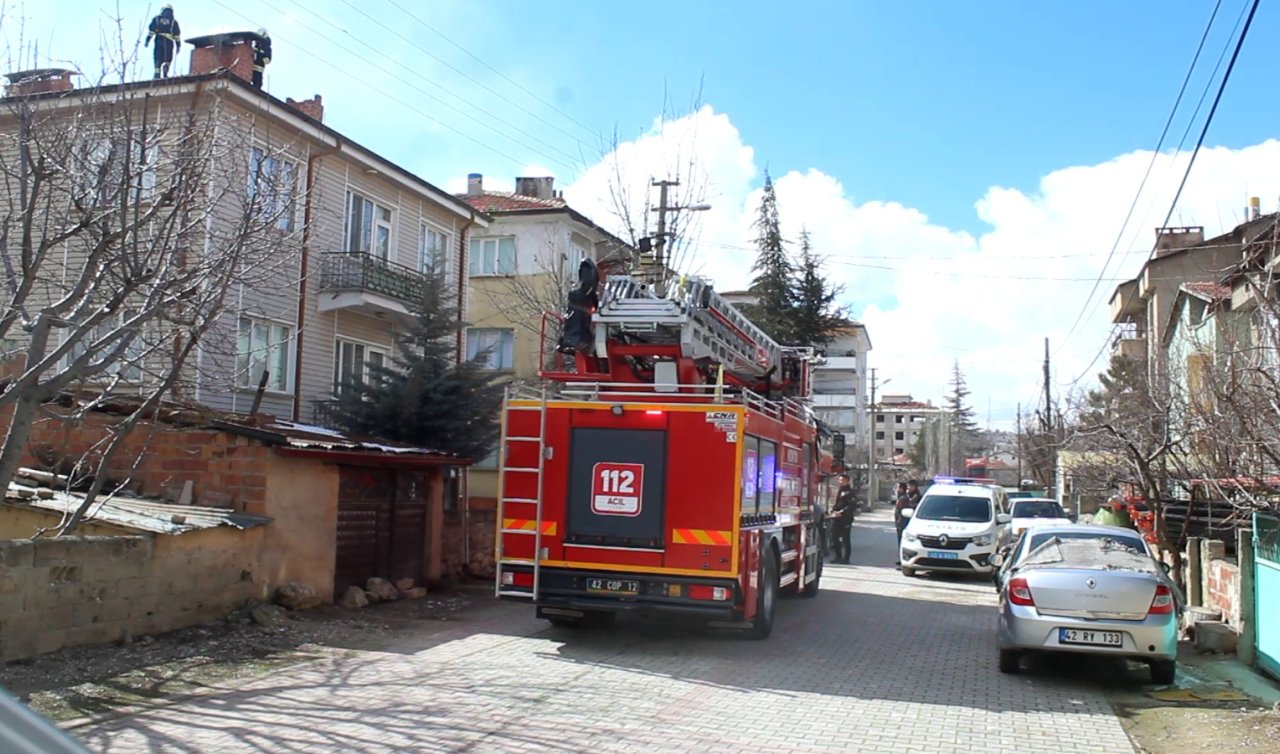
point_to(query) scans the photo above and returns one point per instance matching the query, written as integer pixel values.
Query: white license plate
(1095, 638)
(944, 555)
(613, 586)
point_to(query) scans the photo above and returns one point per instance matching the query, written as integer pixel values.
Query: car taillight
(1020, 593)
(517, 578)
(1162, 603)
(699, 592)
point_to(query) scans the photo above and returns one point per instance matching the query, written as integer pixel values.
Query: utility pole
(1050, 439)
(871, 443)
(1018, 438)
(660, 240)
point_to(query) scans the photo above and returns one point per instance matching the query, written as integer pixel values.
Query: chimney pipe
(38, 81)
(1255, 208)
(538, 188)
(312, 108)
(231, 51)
(475, 184)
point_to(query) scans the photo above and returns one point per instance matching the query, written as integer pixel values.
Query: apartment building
(840, 384)
(897, 422)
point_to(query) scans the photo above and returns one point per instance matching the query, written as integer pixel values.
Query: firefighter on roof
(261, 56)
(168, 34)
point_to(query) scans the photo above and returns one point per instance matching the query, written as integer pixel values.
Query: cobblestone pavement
(875, 663)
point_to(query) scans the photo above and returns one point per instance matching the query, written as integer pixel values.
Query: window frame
(277, 176)
(366, 225)
(476, 266)
(470, 352)
(342, 341)
(246, 377)
(427, 261)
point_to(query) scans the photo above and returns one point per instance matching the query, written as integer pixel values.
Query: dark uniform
(261, 56)
(842, 513)
(168, 36)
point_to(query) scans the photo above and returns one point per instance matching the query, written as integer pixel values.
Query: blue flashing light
(962, 480)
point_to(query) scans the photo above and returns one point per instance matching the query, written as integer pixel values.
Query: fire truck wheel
(766, 598)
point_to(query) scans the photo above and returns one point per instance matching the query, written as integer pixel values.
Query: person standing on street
(261, 56)
(168, 36)
(842, 512)
(900, 501)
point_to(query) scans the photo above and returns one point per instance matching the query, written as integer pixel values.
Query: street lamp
(872, 487)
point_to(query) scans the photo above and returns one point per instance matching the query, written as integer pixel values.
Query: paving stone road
(875, 663)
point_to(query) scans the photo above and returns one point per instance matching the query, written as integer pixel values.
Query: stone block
(50, 639)
(17, 553)
(415, 593)
(8, 582)
(1216, 637)
(1212, 549)
(353, 598)
(86, 613)
(115, 610)
(12, 604)
(55, 552)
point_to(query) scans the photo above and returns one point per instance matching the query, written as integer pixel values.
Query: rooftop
(491, 202)
(1209, 291)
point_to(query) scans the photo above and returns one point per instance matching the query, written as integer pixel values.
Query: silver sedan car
(1091, 589)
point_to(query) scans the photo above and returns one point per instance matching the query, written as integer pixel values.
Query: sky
(965, 168)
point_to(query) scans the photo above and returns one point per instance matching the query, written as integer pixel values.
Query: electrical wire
(1155, 154)
(1222, 86)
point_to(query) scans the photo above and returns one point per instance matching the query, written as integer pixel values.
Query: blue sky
(951, 158)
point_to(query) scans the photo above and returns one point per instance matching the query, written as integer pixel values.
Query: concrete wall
(71, 591)
(474, 556)
(24, 523)
(299, 544)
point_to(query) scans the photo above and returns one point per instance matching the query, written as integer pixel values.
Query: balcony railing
(361, 271)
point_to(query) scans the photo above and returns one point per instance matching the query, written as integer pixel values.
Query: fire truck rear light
(517, 578)
(675, 590)
(653, 412)
(716, 593)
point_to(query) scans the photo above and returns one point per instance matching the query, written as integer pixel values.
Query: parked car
(1027, 511)
(22, 730)
(1087, 589)
(953, 528)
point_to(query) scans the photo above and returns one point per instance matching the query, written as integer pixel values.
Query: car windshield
(1037, 509)
(954, 508)
(1040, 538)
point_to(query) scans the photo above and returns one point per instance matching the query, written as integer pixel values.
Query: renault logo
(1091, 583)
(943, 540)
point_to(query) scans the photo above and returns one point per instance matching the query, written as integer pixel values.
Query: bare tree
(129, 215)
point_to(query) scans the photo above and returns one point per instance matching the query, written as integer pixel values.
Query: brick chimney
(312, 108)
(475, 184)
(232, 51)
(538, 188)
(1169, 240)
(38, 81)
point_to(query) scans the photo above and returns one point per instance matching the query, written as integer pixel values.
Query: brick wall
(156, 460)
(70, 591)
(1222, 589)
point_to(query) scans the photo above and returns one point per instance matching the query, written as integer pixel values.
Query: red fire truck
(669, 461)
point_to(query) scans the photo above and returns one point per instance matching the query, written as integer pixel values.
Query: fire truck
(669, 460)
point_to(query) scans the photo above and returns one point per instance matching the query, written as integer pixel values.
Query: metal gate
(1266, 590)
(382, 526)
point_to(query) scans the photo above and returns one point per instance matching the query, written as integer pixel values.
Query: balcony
(364, 283)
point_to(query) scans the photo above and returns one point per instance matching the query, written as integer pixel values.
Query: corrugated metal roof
(322, 438)
(135, 513)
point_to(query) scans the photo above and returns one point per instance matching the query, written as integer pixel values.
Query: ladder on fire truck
(692, 315)
(506, 525)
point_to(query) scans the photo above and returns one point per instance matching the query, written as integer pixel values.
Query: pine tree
(775, 275)
(964, 427)
(423, 397)
(816, 314)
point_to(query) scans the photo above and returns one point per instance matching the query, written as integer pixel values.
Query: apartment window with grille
(897, 436)
(273, 182)
(879, 435)
(263, 346)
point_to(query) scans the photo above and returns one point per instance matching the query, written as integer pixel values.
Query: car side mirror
(1165, 566)
(1003, 518)
(908, 512)
(997, 560)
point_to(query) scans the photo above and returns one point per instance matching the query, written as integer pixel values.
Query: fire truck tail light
(653, 412)
(517, 578)
(675, 590)
(715, 593)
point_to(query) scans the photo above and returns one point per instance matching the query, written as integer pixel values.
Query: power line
(1155, 154)
(509, 80)
(1222, 86)
(457, 70)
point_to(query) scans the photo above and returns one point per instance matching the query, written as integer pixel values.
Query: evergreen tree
(423, 397)
(774, 284)
(964, 427)
(816, 313)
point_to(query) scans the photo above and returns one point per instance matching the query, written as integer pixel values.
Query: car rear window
(1037, 509)
(954, 508)
(1042, 537)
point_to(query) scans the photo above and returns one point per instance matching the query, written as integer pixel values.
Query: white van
(955, 527)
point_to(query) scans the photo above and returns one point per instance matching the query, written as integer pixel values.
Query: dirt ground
(92, 681)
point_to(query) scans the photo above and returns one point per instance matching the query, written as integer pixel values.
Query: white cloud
(932, 295)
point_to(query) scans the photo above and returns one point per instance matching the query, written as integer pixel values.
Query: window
(768, 475)
(750, 474)
(354, 363)
(368, 226)
(879, 435)
(897, 419)
(494, 347)
(574, 260)
(107, 165)
(879, 418)
(263, 346)
(899, 451)
(433, 248)
(110, 334)
(897, 436)
(493, 256)
(272, 184)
